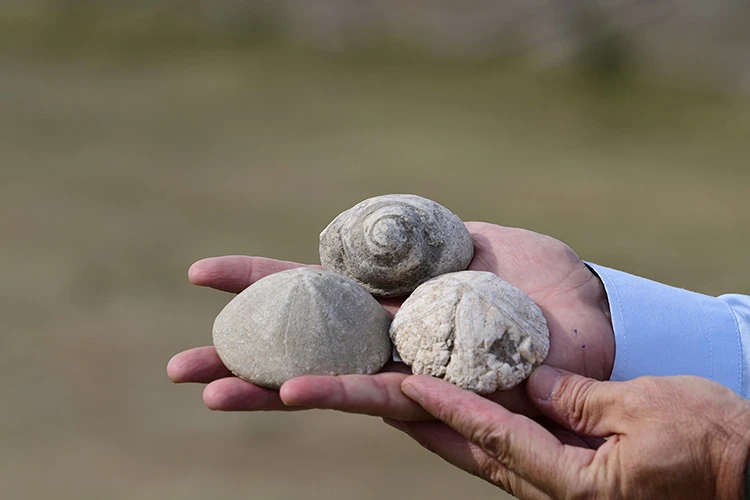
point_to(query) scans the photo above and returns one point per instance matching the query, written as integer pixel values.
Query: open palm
(570, 296)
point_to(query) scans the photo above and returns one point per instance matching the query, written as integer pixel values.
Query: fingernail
(396, 424)
(543, 380)
(173, 371)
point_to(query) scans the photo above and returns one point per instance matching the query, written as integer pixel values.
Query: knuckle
(495, 442)
(647, 386)
(503, 479)
(640, 393)
(632, 400)
(490, 471)
(500, 476)
(582, 405)
(385, 397)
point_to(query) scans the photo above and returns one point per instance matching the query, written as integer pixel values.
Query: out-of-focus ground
(117, 172)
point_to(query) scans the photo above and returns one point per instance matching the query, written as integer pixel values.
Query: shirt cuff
(662, 330)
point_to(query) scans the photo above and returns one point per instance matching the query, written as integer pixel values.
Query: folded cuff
(662, 330)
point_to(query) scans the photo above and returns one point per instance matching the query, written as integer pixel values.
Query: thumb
(583, 405)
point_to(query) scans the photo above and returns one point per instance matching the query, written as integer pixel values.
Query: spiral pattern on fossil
(391, 244)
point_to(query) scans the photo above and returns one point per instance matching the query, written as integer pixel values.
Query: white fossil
(473, 329)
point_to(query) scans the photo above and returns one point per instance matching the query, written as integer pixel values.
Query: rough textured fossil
(391, 244)
(302, 322)
(473, 329)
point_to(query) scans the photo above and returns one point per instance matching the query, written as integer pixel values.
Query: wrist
(602, 306)
(733, 452)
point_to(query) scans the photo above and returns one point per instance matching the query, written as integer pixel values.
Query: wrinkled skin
(667, 437)
(571, 297)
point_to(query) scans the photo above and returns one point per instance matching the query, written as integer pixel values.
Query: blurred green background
(136, 139)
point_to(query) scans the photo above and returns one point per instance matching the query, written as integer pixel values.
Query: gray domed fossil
(473, 329)
(302, 321)
(391, 244)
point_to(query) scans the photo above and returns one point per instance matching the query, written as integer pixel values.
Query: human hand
(570, 296)
(668, 437)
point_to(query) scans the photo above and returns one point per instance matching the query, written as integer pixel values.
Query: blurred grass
(138, 27)
(118, 172)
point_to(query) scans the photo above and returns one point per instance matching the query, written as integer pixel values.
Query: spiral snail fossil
(473, 329)
(391, 244)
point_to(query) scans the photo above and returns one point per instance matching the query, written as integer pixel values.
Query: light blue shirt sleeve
(663, 330)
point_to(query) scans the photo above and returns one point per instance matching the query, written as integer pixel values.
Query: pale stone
(473, 329)
(391, 244)
(302, 321)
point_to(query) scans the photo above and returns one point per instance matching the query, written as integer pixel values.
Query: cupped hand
(570, 296)
(666, 437)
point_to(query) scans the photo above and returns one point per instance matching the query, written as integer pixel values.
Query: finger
(518, 443)
(515, 400)
(393, 366)
(200, 364)
(379, 395)
(566, 436)
(234, 273)
(391, 305)
(462, 453)
(587, 407)
(235, 394)
(571, 439)
(440, 439)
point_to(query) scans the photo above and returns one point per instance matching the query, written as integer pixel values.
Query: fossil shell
(302, 322)
(473, 329)
(391, 244)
